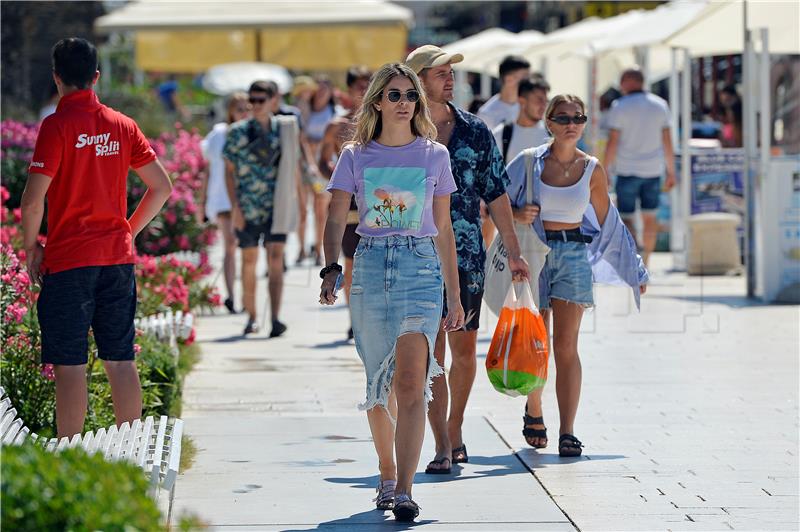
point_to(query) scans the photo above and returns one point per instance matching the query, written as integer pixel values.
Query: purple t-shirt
(394, 186)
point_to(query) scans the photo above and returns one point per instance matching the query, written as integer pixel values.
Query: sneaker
(229, 306)
(251, 327)
(278, 329)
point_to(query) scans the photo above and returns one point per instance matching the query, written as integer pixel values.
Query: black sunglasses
(395, 95)
(256, 100)
(563, 120)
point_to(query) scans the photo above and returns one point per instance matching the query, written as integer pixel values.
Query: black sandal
(533, 433)
(439, 470)
(405, 510)
(460, 450)
(569, 445)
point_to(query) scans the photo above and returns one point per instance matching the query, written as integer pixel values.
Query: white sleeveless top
(567, 204)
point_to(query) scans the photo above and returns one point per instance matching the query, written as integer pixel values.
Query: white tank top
(567, 204)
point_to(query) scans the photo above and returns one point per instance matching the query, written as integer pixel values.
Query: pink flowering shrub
(28, 383)
(17, 140)
(177, 227)
(168, 283)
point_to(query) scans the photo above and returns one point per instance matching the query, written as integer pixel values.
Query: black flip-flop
(460, 450)
(438, 470)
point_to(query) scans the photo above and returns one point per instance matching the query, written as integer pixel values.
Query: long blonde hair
(368, 119)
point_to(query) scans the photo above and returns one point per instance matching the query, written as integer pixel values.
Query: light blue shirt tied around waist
(612, 252)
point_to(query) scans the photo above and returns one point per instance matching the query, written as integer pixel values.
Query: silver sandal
(385, 497)
(405, 510)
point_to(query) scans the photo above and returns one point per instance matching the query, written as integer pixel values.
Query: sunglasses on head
(563, 120)
(395, 95)
(255, 100)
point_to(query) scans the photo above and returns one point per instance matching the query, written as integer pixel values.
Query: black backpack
(257, 144)
(508, 130)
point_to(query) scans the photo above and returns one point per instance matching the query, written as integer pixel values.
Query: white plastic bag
(498, 274)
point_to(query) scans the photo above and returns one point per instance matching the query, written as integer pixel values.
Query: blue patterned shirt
(256, 155)
(480, 174)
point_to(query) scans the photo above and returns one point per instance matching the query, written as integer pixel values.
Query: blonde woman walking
(213, 194)
(402, 183)
(588, 243)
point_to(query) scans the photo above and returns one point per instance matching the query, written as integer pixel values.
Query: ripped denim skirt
(397, 289)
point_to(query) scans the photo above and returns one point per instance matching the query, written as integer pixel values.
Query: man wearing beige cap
(479, 172)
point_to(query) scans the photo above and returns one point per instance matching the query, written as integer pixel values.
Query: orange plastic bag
(517, 358)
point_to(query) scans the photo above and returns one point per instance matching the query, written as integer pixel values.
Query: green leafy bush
(71, 490)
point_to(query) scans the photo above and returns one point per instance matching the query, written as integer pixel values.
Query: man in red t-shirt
(81, 164)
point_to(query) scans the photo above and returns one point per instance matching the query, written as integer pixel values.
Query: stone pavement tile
(276, 471)
(677, 399)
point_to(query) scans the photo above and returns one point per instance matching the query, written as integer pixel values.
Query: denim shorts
(103, 297)
(569, 273)
(630, 188)
(397, 289)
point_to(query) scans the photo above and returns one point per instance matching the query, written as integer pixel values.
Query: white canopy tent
(719, 28)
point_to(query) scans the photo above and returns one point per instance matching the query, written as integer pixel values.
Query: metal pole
(462, 91)
(674, 96)
(676, 229)
(686, 159)
(486, 86)
(749, 134)
(593, 103)
(765, 122)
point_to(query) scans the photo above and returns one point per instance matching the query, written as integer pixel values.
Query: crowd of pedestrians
(396, 178)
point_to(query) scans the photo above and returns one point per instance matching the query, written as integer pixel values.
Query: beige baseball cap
(429, 56)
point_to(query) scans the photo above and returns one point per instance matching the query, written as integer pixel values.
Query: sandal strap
(568, 440)
(404, 499)
(530, 420)
(534, 433)
(385, 490)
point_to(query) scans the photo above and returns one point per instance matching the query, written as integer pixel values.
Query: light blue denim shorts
(397, 289)
(569, 273)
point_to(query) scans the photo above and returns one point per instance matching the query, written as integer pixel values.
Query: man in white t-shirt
(528, 131)
(639, 152)
(504, 106)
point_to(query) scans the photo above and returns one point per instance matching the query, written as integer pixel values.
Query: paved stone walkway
(689, 415)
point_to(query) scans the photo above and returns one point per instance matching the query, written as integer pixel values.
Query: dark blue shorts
(253, 233)
(470, 302)
(630, 188)
(103, 297)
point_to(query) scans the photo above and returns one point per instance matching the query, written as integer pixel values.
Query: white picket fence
(153, 444)
(169, 326)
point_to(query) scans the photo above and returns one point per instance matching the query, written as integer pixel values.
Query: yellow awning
(295, 47)
(189, 36)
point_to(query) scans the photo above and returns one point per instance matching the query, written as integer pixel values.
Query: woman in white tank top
(569, 180)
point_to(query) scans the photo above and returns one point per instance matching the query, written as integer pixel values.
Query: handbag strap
(530, 183)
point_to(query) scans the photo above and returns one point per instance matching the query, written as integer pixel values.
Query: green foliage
(158, 374)
(71, 490)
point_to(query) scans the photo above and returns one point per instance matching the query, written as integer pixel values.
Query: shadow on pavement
(236, 338)
(535, 460)
(328, 345)
(733, 301)
(369, 520)
(503, 465)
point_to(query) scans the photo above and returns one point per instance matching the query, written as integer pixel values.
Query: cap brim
(447, 59)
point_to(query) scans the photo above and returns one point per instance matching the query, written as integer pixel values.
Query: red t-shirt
(87, 149)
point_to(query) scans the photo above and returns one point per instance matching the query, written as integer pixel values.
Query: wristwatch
(334, 266)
